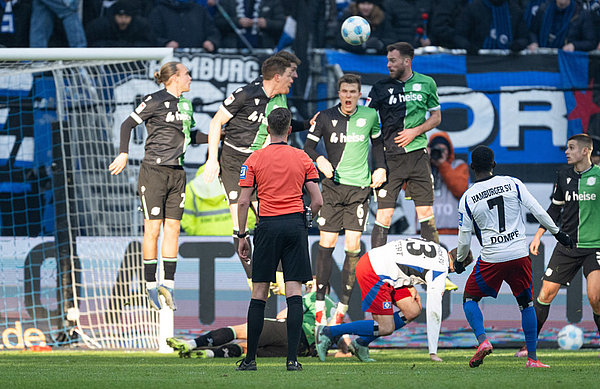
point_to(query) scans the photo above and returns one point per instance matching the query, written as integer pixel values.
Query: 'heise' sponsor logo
(405, 97)
(583, 196)
(343, 138)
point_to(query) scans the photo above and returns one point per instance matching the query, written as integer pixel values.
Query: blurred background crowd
(214, 25)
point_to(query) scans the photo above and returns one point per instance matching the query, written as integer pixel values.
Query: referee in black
(277, 172)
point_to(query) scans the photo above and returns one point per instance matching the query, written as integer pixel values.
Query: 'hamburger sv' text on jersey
(168, 122)
(248, 108)
(347, 140)
(403, 105)
(579, 196)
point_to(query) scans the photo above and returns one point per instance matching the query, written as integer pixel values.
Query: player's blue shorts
(487, 277)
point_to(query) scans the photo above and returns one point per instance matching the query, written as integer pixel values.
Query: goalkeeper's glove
(459, 267)
(564, 239)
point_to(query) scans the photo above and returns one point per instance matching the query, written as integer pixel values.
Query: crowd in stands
(471, 25)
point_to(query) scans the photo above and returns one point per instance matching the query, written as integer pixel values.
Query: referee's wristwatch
(242, 235)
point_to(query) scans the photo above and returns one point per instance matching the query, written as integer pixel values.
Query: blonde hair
(166, 71)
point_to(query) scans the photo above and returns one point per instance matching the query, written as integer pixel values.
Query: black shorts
(162, 191)
(344, 207)
(273, 341)
(281, 237)
(565, 263)
(414, 168)
(231, 162)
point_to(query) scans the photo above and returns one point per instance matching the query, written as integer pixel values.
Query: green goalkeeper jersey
(308, 319)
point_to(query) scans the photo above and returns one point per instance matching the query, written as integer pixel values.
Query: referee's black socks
(294, 325)
(256, 319)
(597, 320)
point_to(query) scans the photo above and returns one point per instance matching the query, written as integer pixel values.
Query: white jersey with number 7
(491, 208)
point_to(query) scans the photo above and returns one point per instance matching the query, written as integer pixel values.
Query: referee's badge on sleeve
(243, 172)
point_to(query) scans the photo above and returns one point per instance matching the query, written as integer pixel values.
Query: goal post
(82, 277)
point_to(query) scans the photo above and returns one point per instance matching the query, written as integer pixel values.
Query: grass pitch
(392, 369)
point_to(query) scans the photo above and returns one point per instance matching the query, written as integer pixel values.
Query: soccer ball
(355, 30)
(570, 337)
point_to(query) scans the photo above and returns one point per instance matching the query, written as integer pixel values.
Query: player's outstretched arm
(535, 243)
(435, 291)
(536, 209)
(211, 169)
(118, 164)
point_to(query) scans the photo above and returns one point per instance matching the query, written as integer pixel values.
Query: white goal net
(69, 271)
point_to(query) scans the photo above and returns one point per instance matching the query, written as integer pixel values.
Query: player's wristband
(242, 235)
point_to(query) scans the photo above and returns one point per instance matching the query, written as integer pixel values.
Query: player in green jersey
(346, 130)
(576, 202)
(403, 101)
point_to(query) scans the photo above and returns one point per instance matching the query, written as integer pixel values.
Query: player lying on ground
(491, 208)
(386, 276)
(219, 343)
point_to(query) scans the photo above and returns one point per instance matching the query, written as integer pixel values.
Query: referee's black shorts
(282, 237)
(565, 263)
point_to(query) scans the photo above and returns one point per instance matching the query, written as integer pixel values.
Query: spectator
(596, 150)
(42, 22)
(93, 9)
(562, 24)
(442, 26)
(260, 21)
(15, 15)
(593, 6)
(370, 10)
(530, 10)
(123, 28)
(408, 21)
(450, 179)
(491, 24)
(179, 23)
